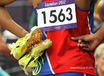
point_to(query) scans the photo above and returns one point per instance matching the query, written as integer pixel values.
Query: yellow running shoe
(28, 49)
(30, 60)
(22, 45)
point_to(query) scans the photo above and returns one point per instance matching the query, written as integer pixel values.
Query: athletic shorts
(68, 74)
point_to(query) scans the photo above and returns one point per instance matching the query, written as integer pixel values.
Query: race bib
(56, 15)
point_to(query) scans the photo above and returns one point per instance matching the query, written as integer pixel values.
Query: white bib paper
(56, 15)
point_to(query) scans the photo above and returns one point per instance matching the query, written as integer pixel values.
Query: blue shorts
(68, 74)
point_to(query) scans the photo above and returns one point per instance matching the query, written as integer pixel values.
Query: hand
(35, 2)
(87, 42)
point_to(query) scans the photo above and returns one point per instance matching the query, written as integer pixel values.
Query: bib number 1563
(61, 16)
(54, 16)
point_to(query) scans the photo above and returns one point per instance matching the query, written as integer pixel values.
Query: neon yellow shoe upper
(28, 50)
(19, 48)
(30, 60)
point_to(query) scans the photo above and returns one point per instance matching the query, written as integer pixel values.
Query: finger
(75, 38)
(35, 2)
(34, 5)
(86, 49)
(40, 1)
(83, 45)
(79, 41)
